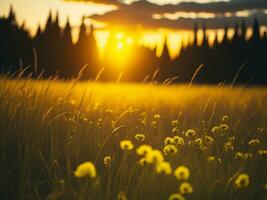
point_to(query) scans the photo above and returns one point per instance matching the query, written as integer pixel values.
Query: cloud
(140, 13)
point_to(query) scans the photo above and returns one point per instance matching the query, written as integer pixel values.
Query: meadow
(102, 141)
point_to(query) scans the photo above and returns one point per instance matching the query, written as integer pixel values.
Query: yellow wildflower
(211, 158)
(168, 140)
(126, 145)
(225, 119)
(178, 140)
(190, 133)
(265, 186)
(262, 152)
(215, 129)
(164, 168)
(121, 196)
(143, 149)
(143, 161)
(170, 149)
(176, 196)
(185, 188)
(209, 140)
(107, 160)
(156, 116)
(198, 141)
(85, 169)
(254, 142)
(174, 123)
(242, 181)
(228, 146)
(140, 137)
(182, 173)
(154, 156)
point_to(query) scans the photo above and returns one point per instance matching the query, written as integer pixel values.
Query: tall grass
(48, 128)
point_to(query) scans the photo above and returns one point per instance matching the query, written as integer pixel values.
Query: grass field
(213, 141)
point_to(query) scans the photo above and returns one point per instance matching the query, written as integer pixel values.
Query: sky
(150, 20)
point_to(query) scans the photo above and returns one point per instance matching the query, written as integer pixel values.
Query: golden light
(120, 49)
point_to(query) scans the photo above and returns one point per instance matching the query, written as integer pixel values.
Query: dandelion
(168, 140)
(225, 119)
(185, 188)
(224, 128)
(85, 169)
(170, 149)
(198, 141)
(209, 140)
(182, 173)
(107, 160)
(262, 152)
(190, 133)
(242, 181)
(126, 145)
(143, 150)
(140, 137)
(121, 196)
(254, 142)
(143, 162)
(164, 168)
(228, 146)
(156, 116)
(176, 196)
(215, 129)
(178, 140)
(211, 158)
(174, 123)
(154, 156)
(174, 130)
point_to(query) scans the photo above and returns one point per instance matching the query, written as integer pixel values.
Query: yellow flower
(143, 161)
(186, 188)
(254, 142)
(215, 129)
(209, 140)
(198, 141)
(156, 116)
(168, 140)
(178, 140)
(225, 119)
(154, 156)
(121, 196)
(265, 186)
(107, 160)
(176, 196)
(174, 130)
(175, 123)
(211, 158)
(228, 146)
(190, 133)
(140, 137)
(170, 149)
(182, 173)
(85, 169)
(224, 128)
(143, 149)
(242, 181)
(164, 168)
(126, 145)
(262, 152)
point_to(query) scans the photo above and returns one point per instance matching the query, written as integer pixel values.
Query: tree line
(51, 52)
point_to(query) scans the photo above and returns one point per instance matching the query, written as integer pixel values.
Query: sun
(120, 45)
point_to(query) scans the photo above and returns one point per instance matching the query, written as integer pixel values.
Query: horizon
(37, 14)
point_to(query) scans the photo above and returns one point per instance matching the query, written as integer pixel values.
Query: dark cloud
(141, 12)
(112, 2)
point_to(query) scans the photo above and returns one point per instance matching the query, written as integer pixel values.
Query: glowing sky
(157, 18)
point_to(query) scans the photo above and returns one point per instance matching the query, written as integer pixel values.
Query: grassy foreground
(216, 135)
